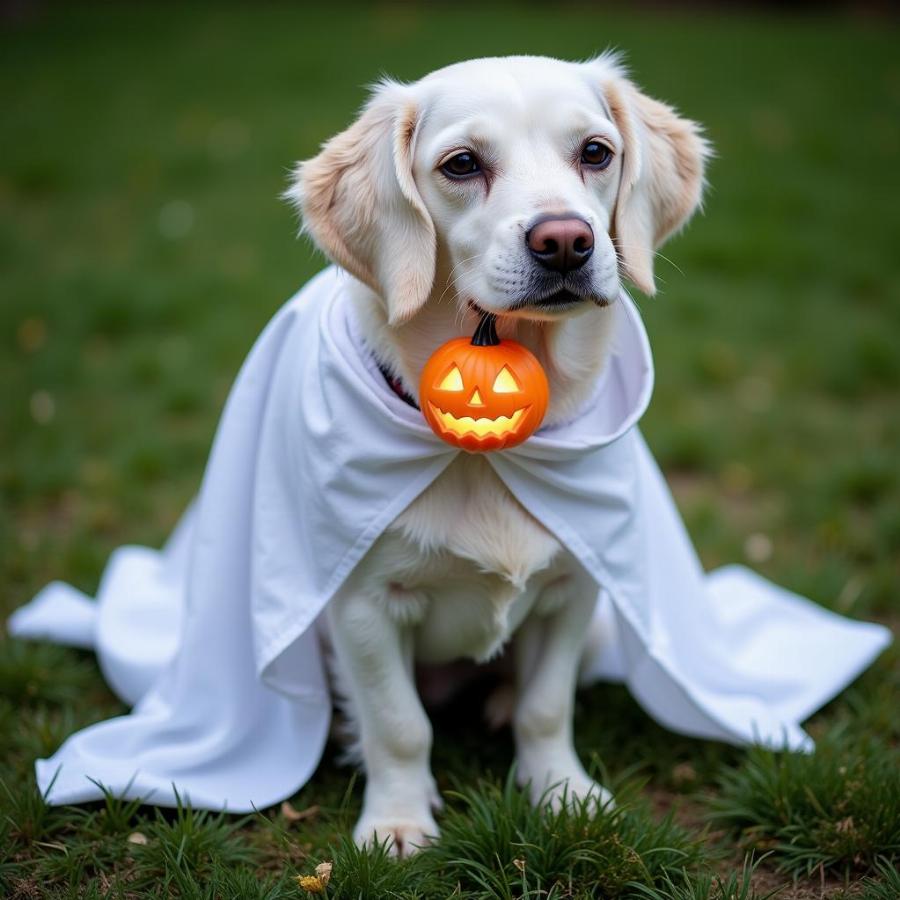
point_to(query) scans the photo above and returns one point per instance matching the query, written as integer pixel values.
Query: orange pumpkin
(484, 393)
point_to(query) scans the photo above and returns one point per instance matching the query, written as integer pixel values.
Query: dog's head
(525, 185)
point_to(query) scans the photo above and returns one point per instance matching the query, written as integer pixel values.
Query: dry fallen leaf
(684, 773)
(294, 815)
(845, 825)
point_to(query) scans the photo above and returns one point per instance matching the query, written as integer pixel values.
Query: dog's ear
(663, 161)
(359, 202)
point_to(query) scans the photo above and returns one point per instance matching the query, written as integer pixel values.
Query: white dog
(527, 187)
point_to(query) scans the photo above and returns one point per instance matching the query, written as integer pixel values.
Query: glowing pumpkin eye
(504, 383)
(452, 381)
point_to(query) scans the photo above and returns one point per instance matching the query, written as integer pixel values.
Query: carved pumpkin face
(483, 396)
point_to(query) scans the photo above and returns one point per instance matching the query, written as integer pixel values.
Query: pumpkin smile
(480, 427)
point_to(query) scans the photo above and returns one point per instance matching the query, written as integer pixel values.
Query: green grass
(838, 808)
(494, 844)
(143, 245)
(738, 885)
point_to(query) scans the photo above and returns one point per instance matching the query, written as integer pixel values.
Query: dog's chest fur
(464, 564)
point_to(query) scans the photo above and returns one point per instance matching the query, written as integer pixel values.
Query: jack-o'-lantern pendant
(484, 393)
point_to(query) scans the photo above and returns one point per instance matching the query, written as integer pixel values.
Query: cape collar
(621, 395)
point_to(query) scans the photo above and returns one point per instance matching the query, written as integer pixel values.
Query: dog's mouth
(481, 428)
(559, 301)
(545, 306)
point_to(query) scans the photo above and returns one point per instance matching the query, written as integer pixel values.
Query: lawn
(143, 245)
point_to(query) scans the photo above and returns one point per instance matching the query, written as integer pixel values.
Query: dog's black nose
(562, 243)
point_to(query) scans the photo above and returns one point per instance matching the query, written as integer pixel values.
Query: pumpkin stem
(486, 332)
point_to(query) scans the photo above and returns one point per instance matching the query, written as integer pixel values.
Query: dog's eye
(462, 165)
(596, 155)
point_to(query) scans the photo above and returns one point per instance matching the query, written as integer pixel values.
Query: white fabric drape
(213, 639)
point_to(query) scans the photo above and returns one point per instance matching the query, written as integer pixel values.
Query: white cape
(213, 639)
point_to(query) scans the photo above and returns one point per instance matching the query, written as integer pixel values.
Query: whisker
(451, 280)
(654, 253)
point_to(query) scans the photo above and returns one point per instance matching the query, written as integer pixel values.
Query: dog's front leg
(375, 653)
(548, 649)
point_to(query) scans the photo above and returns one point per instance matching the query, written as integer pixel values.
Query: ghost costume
(214, 638)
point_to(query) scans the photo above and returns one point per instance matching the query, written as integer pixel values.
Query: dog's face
(526, 186)
(519, 168)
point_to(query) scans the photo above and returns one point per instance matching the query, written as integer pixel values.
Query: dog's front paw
(403, 833)
(563, 783)
(572, 791)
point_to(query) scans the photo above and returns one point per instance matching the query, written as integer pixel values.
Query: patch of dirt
(823, 887)
(25, 889)
(693, 815)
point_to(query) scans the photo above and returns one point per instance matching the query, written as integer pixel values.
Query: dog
(527, 187)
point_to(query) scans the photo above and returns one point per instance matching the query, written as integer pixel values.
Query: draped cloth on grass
(213, 639)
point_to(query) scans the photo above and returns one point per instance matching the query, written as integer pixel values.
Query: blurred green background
(143, 245)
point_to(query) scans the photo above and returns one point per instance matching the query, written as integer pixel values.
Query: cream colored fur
(465, 571)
